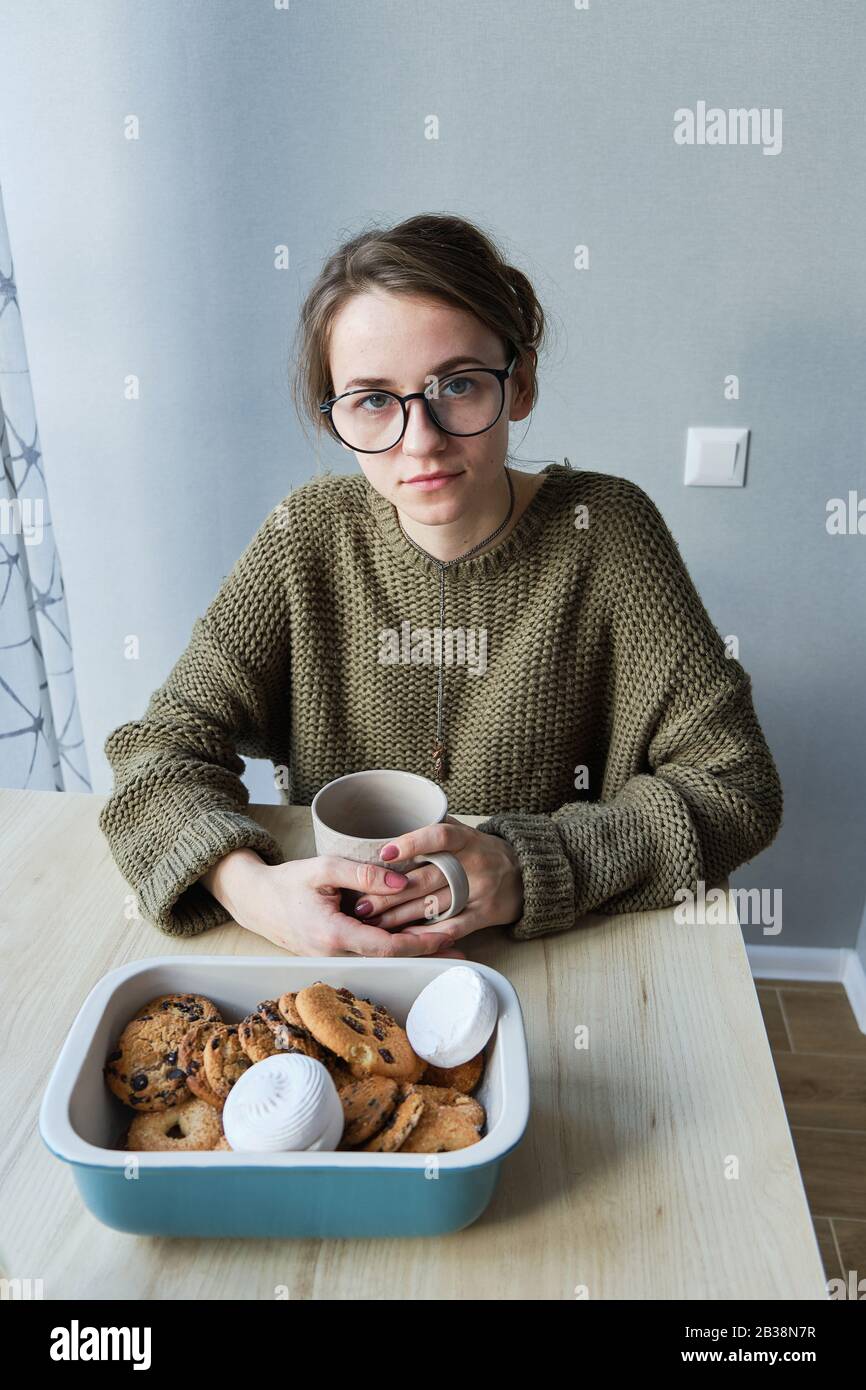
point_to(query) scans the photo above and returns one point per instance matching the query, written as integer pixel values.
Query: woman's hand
(495, 883)
(296, 905)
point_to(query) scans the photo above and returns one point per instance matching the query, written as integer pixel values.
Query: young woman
(532, 642)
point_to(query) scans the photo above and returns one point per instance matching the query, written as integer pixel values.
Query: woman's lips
(428, 484)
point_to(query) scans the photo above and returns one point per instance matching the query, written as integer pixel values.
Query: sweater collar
(546, 501)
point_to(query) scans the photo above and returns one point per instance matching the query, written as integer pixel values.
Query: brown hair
(432, 255)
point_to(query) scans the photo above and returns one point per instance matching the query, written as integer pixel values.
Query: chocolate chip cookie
(143, 1069)
(398, 1127)
(447, 1095)
(192, 1007)
(441, 1129)
(224, 1060)
(257, 1039)
(340, 1072)
(287, 1026)
(366, 1107)
(364, 1034)
(190, 1057)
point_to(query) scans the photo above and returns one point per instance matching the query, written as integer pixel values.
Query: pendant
(440, 760)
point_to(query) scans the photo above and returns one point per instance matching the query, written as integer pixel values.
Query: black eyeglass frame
(501, 373)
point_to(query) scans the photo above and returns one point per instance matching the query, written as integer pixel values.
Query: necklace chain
(446, 564)
(440, 763)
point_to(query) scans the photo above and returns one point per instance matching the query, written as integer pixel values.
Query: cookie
(340, 1073)
(285, 1023)
(366, 1107)
(194, 1008)
(288, 1009)
(463, 1078)
(257, 1039)
(224, 1060)
(143, 1069)
(398, 1127)
(441, 1129)
(190, 1058)
(364, 1034)
(447, 1095)
(265, 1033)
(192, 1126)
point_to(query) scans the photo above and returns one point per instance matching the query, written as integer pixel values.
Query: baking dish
(220, 1193)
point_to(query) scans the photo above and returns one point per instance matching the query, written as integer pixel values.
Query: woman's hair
(432, 255)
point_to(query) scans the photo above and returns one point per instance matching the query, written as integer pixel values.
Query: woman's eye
(463, 384)
(373, 403)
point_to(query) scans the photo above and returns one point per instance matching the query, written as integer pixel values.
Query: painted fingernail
(389, 852)
(395, 880)
(363, 908)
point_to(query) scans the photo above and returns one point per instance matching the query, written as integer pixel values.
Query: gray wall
(263, 126)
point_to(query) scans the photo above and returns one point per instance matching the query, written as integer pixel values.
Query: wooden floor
(820, 1058)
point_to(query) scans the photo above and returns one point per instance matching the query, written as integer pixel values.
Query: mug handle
(455, 875)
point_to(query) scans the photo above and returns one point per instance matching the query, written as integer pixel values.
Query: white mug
(357, 815)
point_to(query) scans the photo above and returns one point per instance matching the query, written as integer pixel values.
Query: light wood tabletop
(657, 1163)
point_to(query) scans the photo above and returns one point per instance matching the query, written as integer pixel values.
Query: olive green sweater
(590, 709)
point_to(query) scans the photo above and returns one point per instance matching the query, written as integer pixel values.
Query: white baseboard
(821, 964)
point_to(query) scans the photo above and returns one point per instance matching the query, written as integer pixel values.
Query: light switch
(716, 458)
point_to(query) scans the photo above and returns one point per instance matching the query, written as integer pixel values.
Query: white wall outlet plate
(716, 458)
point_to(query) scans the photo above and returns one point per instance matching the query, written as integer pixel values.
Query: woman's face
(397, 343)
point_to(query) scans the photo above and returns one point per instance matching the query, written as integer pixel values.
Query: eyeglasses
(462, 403)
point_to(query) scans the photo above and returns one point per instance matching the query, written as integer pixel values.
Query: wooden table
(620, 1189)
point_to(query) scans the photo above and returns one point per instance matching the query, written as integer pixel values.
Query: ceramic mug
(357, 815)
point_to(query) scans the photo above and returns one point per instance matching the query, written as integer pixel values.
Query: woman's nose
(421, 433)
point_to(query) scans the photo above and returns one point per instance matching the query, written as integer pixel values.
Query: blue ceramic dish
(319, 1194)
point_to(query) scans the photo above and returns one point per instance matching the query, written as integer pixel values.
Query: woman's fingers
(420, 884)
(415, 910)
(330, 871)
(364, 940)
(379, 884)
(443, 835)
(461, 924)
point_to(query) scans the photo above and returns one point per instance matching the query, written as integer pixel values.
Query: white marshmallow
(453, 1017)
(332, 1134)
(286, 1102)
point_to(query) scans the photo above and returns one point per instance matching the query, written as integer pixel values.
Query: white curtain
(41, 744)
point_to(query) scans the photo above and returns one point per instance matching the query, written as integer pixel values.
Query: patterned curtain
(41, 745)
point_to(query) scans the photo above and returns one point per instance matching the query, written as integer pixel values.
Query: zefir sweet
(453, 1017)
(284, 1103)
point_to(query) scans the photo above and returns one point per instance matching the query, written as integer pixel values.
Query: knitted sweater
(592, 713)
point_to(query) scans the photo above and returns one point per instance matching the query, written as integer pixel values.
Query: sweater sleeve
(178, 804)
(689, 790)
